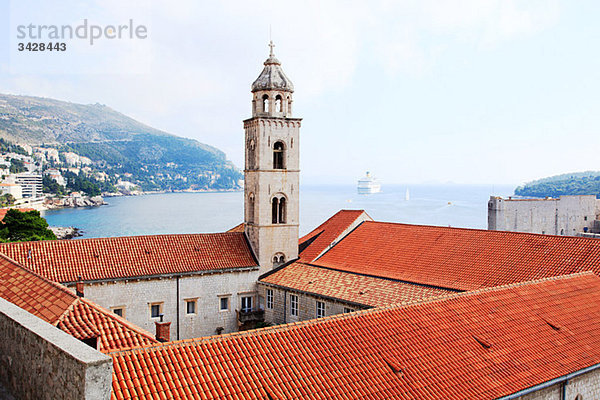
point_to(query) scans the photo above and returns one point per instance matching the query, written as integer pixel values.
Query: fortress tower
(271, 175)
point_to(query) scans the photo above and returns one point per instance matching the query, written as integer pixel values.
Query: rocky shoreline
(68, 232)
(71, 201)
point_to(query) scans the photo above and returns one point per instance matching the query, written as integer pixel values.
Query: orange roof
(462, 259)
(350, 287)
(238, 228)
(58, 306)
(135, 256)
(476, 345)
(3, 211)
(328, 233)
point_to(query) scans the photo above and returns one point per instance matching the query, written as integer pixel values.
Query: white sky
(471, 91)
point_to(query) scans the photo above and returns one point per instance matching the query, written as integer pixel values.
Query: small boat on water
(407, 196)
(368, 185)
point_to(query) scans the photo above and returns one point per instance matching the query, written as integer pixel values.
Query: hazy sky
(472, 91)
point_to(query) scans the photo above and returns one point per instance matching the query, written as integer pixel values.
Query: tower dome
(272, 76)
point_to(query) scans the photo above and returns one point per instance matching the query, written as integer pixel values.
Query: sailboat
(407, 196)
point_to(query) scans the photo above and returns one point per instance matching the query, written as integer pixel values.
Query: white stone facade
(583, 387)
(288, 306)
(136, 296)
(567, 215)
(272, 171)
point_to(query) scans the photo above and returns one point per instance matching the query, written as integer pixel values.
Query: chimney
(163, 330)
(79, 287)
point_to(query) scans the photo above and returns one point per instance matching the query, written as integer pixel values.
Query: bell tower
(271, 174)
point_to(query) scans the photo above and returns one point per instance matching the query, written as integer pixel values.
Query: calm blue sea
(446, 205)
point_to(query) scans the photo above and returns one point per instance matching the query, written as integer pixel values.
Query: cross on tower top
(271, 45)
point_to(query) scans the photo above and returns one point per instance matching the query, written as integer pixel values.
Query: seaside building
(565, 216)
(11, 188)
(31, 184)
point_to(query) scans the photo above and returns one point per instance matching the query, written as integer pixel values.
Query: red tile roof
(326, 234)
(476, 345)
(350, 287)
(135, 256)
(463, 259)
(58, 306)
(87, 319)
(3, 211)
(32, 293)
(238, 228)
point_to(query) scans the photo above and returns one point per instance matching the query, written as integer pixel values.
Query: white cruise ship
(368, 185)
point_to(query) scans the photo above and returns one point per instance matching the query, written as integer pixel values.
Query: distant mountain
(116, 143)
(565, 184)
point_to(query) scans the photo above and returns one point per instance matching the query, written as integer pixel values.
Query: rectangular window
(120, 311)
(347, 310)
(224, 303)
(155, 310)
(190, 306)
(320, 309)
(269, 299)
(246, 303)
(293, 305)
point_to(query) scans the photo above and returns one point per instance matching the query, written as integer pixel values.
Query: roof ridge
(113, 238)
(476, 229)
(342, 316)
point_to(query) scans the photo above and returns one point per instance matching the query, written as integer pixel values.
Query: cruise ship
(368, 185)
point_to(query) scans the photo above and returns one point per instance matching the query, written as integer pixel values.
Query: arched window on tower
(278, 103)
(265, 103)
(251, 208)
(278, 209)
(282, 211)
(275, 209)
(278, 159)
(251, 153)
(278, 259)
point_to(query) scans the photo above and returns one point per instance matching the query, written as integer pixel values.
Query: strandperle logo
(86, 31)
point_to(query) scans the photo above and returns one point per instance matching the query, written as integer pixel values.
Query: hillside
(565, 184)
(116, 144)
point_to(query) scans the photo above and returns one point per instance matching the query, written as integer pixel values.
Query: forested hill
(566, 184)
(116, 143)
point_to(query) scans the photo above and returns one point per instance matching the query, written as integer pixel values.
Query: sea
(444, 205)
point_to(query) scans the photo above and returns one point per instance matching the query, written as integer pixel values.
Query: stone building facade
(271, 175)
(566, 216)
(196, 305)
(283, 305)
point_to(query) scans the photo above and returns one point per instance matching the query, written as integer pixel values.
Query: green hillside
(565, 184)
(116, 143)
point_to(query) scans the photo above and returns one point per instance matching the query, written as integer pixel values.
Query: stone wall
(280, 313)
(135, 297)
(568, 215)
(586, 385)
(39, 361)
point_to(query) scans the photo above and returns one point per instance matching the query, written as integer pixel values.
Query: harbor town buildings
(357, 308)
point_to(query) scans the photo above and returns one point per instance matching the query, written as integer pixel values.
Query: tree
(7, 199)
(17, 166)
(26, 226)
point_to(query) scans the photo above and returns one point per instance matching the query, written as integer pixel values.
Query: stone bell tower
(271, 175)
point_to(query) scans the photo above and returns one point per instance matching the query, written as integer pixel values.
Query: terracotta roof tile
(87, 320)
(351, 287)
(325, 235)
(463, 259)
(58, 306)
(123, 257)
(477, 345)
